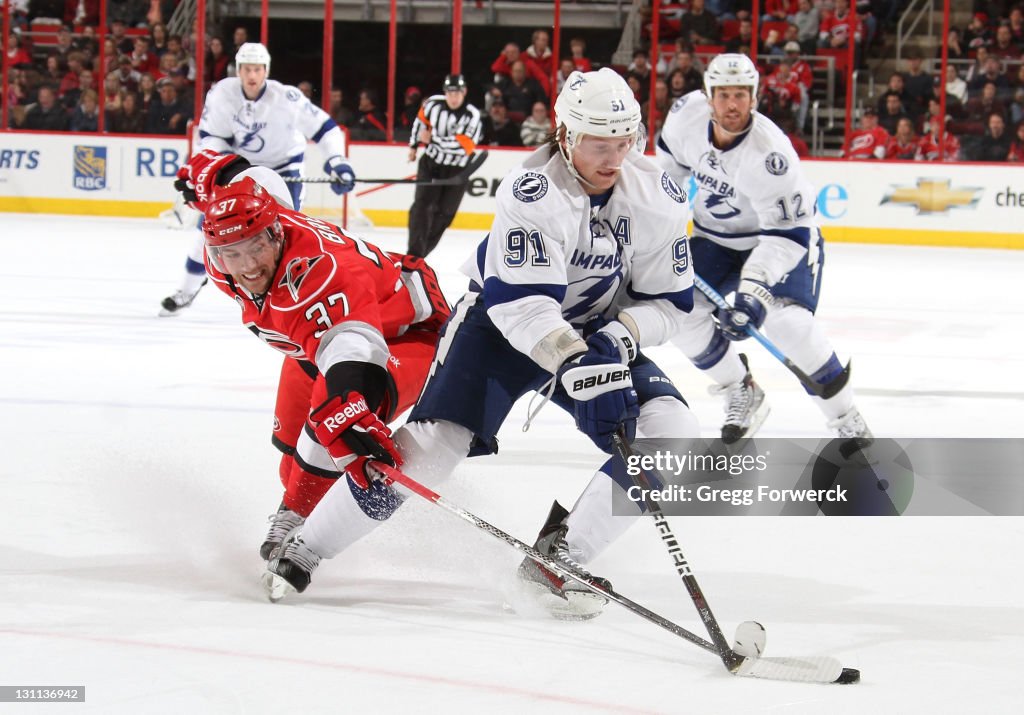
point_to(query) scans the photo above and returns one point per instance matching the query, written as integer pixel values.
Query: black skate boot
(564, 599)
(855, 435)
(290, 567)
(281, 524)
(173, 304)
(745, 407)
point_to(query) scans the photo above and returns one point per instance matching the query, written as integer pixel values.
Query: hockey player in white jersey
(267, 123)
(586, 264)
(756, 233)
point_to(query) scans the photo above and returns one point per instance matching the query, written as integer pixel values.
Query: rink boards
(911, 203)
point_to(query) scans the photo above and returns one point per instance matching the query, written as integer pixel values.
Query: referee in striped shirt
(450, 128)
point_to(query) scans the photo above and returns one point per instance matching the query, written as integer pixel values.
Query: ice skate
(174, 304)
(854, 431)
(290, 567)
(745, 407)
(281, 524)
(564, 599)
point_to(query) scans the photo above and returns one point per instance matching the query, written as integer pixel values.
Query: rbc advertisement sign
(90, 170)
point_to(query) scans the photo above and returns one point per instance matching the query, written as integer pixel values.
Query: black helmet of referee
(454, 82)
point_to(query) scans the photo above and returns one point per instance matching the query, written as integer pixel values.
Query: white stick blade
(811, 669)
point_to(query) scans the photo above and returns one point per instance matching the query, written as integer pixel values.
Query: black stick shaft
(423, 491)
(474, 163)
(640, 479)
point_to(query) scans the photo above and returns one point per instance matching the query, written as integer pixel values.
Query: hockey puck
(848, 676)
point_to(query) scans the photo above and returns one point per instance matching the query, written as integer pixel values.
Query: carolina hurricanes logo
(295, 272)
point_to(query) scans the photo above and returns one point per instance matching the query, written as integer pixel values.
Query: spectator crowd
(143, 78)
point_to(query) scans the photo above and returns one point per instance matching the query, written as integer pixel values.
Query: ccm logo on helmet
(229, 229)
(608, 378)
(338, 420)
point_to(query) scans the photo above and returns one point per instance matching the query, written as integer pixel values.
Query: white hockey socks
(431, 451)
(603, 512)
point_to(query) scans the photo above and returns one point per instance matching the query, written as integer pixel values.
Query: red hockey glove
(362, 473)
(203, 172)
(345, 426)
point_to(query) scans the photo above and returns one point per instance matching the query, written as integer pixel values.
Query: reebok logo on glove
(349, 411)
(202, 183)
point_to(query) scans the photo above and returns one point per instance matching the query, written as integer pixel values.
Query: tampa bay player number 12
(755, 232)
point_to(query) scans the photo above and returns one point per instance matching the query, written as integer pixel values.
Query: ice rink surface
(138, 475)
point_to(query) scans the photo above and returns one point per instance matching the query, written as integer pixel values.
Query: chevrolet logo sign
(932, 196)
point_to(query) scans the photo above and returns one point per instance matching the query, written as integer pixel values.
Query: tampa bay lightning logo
(530, 187)
(678, 104)
(576, 80)
(776, 164)
(712, 159)
(293, 95)
(589, 299)
(719, 207)
(252, 142)
(672, 189)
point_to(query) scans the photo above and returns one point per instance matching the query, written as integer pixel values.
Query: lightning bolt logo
(249, 141)
(589, 297)
(714, 200)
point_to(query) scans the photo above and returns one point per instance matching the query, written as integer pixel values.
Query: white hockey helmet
(731, 70)
(600, 104)
(252, 53)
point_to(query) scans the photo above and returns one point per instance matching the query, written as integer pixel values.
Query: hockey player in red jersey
(357, 326)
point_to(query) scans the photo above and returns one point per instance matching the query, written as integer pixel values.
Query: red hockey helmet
(239, 212)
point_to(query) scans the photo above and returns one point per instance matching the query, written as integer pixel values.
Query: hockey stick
(804, 669)
(625, 452)
(394, 475)
(474, 163)
(808, 669)
(822, 391)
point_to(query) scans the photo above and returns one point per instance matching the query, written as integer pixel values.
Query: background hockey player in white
(586, 264)
(267, 123)
(755, 232)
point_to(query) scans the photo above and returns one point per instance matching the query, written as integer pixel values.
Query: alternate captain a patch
(530, 187)
(295, 273)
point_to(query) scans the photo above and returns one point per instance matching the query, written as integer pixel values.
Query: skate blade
(573, 606)
(164, 313)
(275, 587)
